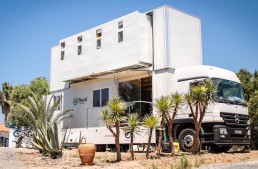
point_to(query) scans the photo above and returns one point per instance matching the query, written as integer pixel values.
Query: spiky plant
(176, 101)
(40, 113)
(198, 99)
(112, 116)
(151, 122)
(163, 106)
(133, 127)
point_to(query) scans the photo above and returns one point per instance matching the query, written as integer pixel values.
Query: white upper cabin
(163, 38)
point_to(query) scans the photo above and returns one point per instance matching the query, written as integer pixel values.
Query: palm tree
(44, 121)
(151, 122)
(133, 128)
(198, 99)
(176, 100)
(5, 95)
(112, 116)
(163, 105)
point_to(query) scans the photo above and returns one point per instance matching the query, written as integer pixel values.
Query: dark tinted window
(120, 36)
(58, 99)
(104, 96)
(62, 55)
(98, 43)
(96, 98)
(80, 50)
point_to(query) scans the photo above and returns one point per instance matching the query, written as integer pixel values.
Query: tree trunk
(148, 147)
(252, 137)
(118, 152)
(131, 145)
(170, 135)
(160, 137)
(196, 142)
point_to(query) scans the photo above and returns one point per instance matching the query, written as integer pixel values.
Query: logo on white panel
(79, 101)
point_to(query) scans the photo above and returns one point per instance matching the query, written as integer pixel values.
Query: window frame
(120, 31)
(98, 38)
(101, 104)
(59, 108)
(79, 50)
(79, 39)
(62, 45)
(62, 55)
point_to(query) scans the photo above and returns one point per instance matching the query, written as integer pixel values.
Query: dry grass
(108, 160)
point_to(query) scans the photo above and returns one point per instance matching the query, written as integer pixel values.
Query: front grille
(230, 120)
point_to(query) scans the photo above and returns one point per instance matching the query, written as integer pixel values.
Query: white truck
(226, 121)
(140, 57)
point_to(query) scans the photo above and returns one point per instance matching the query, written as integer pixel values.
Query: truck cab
(226, 120)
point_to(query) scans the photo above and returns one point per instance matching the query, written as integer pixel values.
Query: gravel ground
(242, 165)
(10, 158)
(13, 158)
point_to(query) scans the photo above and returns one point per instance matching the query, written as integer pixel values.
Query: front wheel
(186, 138)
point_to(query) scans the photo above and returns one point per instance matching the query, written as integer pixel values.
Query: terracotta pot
(87, 153)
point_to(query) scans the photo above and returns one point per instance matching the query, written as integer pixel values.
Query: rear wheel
(186, 138)
(219, 149)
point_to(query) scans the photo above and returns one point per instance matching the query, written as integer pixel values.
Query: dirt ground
(70, 159)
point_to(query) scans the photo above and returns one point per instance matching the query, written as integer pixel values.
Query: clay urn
(87, 153)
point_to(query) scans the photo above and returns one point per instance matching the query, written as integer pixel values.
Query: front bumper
(233, 136)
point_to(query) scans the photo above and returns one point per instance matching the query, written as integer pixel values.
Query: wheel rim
(188, 140)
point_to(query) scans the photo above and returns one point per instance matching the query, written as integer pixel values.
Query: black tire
(219, 149)
(185, 139)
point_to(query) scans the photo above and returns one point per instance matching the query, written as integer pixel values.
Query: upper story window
(120, 31)
(79, 49)
(79, 38)
(120, 25)
(62, 55)
(58, 98)
(100, 97)
(63, 45)
(98, 36)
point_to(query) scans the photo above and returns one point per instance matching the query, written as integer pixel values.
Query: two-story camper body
(136, 57)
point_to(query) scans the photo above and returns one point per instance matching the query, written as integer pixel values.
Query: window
(104, 96)
(98, 33)
(120, 31)
(58, 98)
(120, 36)
(63, 45)
(98, 43)
(100, 97)
(120, 25)
(96, 98)
(62, 55)
(79, 49)
(79, 38)
(98, 36)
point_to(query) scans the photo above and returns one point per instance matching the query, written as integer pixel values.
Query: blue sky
(29, 28)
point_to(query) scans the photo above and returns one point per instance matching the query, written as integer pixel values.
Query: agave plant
(176, 100)
(45, 122)
(112, 116)
(163, 106)
(151, 122)
(198, 99)
(133, 128)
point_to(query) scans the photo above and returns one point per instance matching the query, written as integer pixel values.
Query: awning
(93, 76)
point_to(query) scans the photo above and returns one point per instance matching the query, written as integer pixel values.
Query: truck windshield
(228, 92)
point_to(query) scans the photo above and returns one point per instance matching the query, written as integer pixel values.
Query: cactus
(45, 124)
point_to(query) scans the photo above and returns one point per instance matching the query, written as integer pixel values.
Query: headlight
(223, 131)
(248, 122)
(248, 132)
